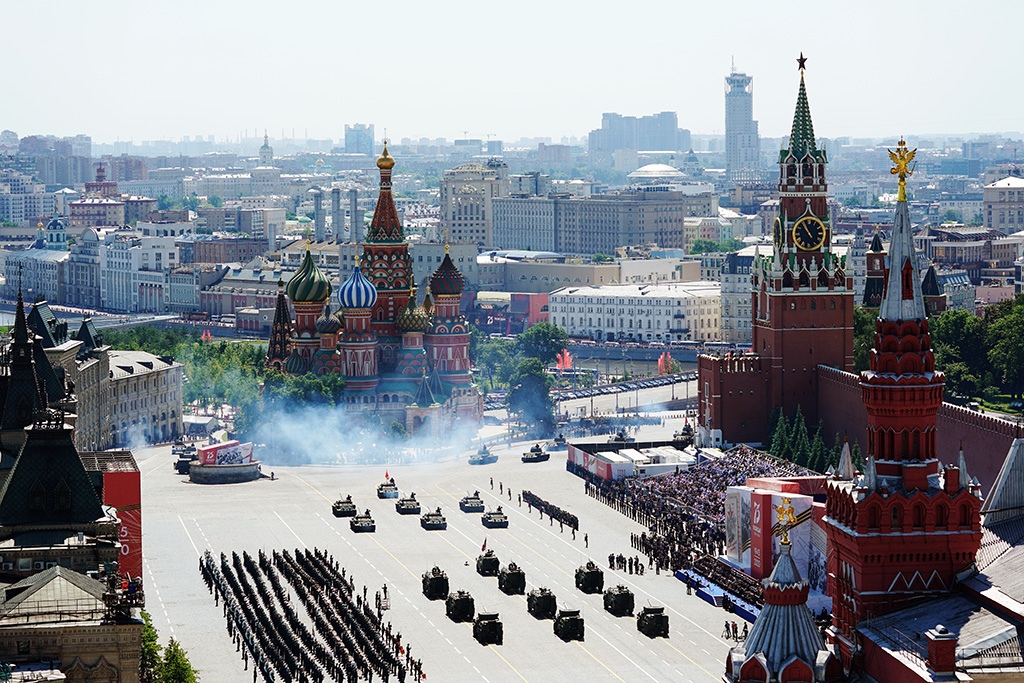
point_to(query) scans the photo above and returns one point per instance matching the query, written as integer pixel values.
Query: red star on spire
(801, 61)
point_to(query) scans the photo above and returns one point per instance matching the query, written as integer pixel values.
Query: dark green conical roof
(801, 137)
(309, 284)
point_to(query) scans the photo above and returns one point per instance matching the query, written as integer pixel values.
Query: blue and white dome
(357, 292)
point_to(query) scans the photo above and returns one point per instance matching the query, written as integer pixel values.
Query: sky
(143, 70)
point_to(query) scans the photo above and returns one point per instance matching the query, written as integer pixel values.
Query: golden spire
(901, 160)
(385, 161)
(787, 520)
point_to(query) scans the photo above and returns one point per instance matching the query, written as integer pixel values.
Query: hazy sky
(143, 69)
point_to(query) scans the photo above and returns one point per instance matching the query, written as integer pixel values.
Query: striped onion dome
(296, 364)
(412, 318)
(357, 291)
(309, 284)
(447, 279)
(327, 323)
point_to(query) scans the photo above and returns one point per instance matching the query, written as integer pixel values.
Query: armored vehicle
(363, 523)
(487, 629)
(536, 454)
(620, 437)
(435, 584)
(434, 521)
(183, 457)
(652, 622)
(472, 503)
(483, 456)
(344, 508)
(590, 578)
(512, 580)
(408, 506)
(618, 600)
(459, 606)
(495, 519)
(559, 443)
(541, 603)
(388, 489)
(569, 625)
(487, 564)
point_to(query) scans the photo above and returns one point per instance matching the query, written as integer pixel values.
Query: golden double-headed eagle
(902, 159)
(787, 518)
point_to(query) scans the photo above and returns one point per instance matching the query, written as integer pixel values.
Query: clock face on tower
(809, 233)
(777, 234)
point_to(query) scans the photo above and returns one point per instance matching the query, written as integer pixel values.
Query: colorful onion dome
(447, 279)
(309, 284)
(357, 291)
(296, 364)
(327, 323)
(412, 318)
(385, 161)
(428, 303)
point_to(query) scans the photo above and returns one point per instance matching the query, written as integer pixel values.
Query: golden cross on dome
(902, 159)
(801, 62)
(787, 520)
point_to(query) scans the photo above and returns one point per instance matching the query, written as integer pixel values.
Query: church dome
(412, 318)
(295, 364)
(56, 223)
(447, 279)
(357, 291)
(327, 323)
(385, 161)
(309, 284)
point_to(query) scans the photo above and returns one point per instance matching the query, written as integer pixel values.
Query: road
(181, 520)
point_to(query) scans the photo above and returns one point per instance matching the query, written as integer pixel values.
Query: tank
(363, 523)
(590, 578)
(408, 506)
(434, 521)
(473, 503)
(512, 580)
(652, 622)
(495, 519)
(487, 564)
(435, 584)
(620, 437)
(487, 629)
(388, 489)
(183, 457)
(344, 508)
(541, 604)
(569, 625)
(459, 606)
(536, 454)
(559, 443)
(483, 456)
(618, 600)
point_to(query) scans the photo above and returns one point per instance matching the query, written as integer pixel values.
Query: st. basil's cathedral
(403, 361)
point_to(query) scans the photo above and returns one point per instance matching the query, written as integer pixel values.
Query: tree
(1005, 343)
(703, 246)
(601, 258)
(215, 201)
(799, 442)
(492, 354)
(780, 437)
(543, 341)
(149, 658)
(863, 337)
(818, 460)
(163, 203)
(958, 336)
(176, 668)
(190, 203)
(530, 396)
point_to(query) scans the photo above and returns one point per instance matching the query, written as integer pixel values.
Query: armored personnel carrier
(495, 519)
(344, 508)
(512, 580)
(435, 584)
(388, 489)
(184, 456)
(459, 606)
(434, 521)
(569, 625)
(487, 564)
(408, 506)
(472, 503)
(541, 604)
(618, 600)
(652, 622)
(363, 523)
(483, 456)
(590, 578)
(487, 629)
(536, 454)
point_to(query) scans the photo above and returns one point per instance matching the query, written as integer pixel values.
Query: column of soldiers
(348, 641)
(554, 512)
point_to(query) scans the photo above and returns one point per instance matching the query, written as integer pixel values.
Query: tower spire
(903, 299)
(801, 137)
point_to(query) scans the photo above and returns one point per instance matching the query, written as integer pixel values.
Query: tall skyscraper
(359, 138)
(742, 146)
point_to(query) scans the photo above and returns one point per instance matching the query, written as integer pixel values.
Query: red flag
(483, 548)
(386, 477)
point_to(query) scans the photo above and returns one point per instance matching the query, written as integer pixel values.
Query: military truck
(590, 578)
(362, 524)
(344, 508)
(496, 519)
(388, 489)
(435, 584)
(459, 606)
(487, 628)
(473, 503)
(541, 604)
(487, 564)
(652, 622)
(408, 506)
(618, 600)
(569, 625)
(434, 521)
(512, 580)
(536, 454)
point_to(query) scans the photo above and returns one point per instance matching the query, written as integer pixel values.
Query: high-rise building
(742, 146)
(359, 138)
(467, 192)
(656, 132)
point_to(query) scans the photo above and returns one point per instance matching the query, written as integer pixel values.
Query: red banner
(760, 534)
(123, 491)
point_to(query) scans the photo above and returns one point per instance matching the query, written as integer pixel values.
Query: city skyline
(452, 71)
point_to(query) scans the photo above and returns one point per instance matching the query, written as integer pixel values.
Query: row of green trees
(169, 666)
(791, 440)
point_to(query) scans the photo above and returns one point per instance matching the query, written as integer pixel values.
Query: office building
(742, 145)
(467, 194)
